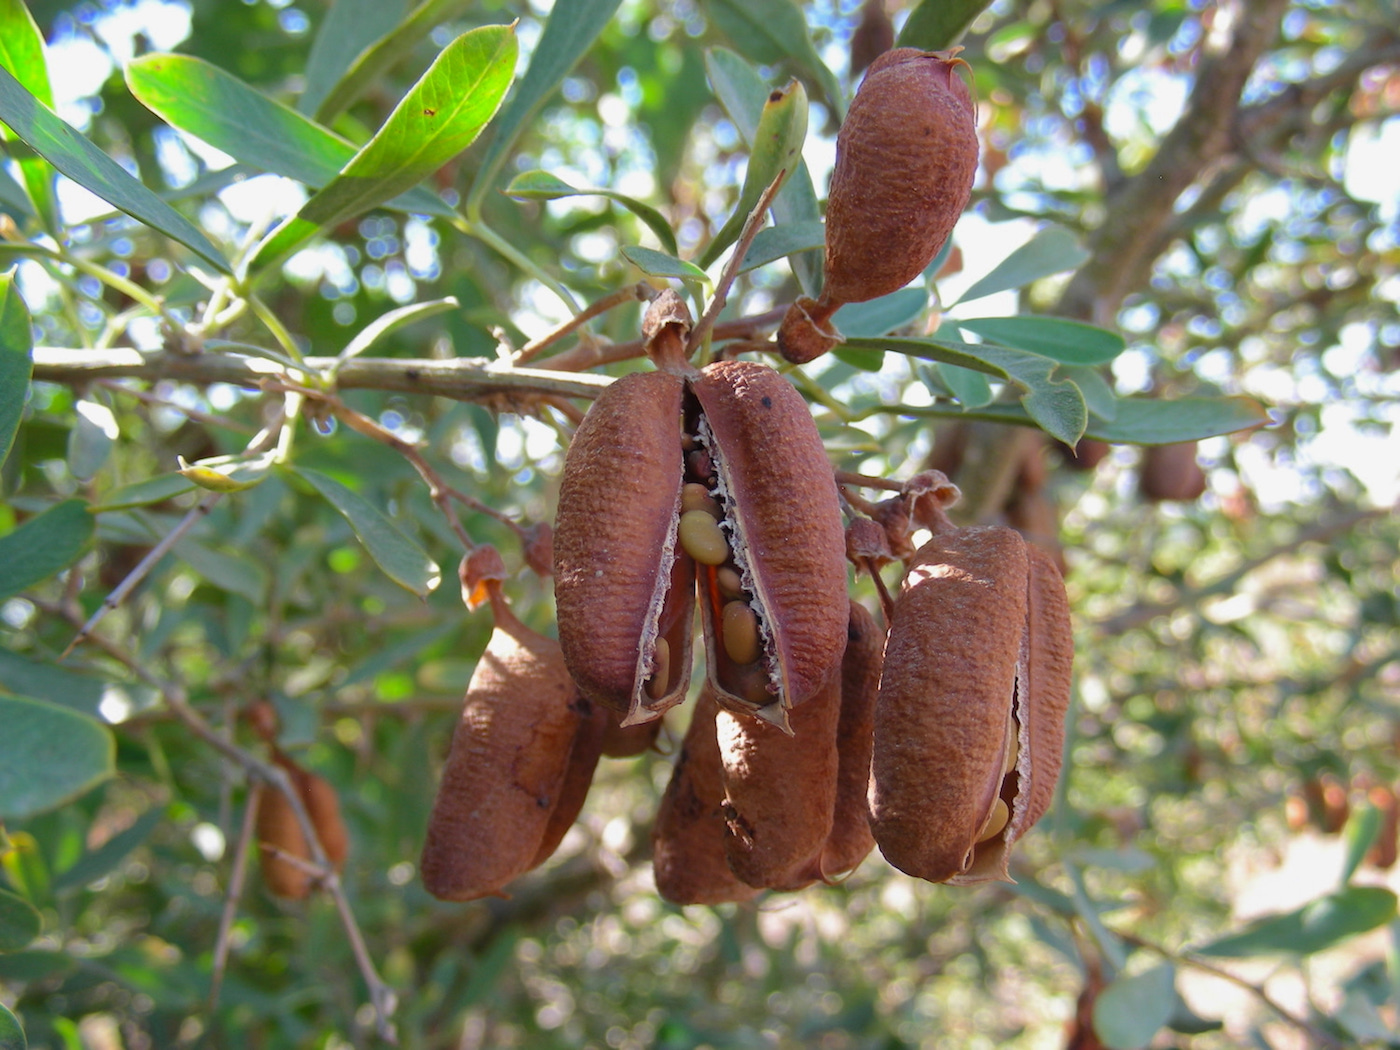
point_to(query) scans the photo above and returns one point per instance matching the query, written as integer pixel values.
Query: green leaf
(44, 545)
(877, 317)
(210, 104)
(659, 264)
(235, 573)
(569, 32)
(348, 28)
(1052, 250)
(143, 493)
(16, 360)
(1312, 928)
(91, 439)
(1070, 342)
(772, 32)
(777, 242)
(1131, 1010)
(1146, 421)
(391, 321)
(94, 864)
(1098, 394)
(22, 53)
(402, 560)
(441, 115)
(68, 151)
(775, 153)
(936, 25)
(1361, 831)
(1056, 405)
(50, 755)
(11, 1034)
(13, 197)
(19, 922)
(970, 388)
(542, 186)
(743, 93)
(45, 681)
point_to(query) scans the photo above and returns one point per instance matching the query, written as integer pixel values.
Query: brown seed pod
(506, 768)
(906, 156)
(873, 35)
(1170, 472)
(621, 741)
(1034, 515)
(780, 791)
(850, 840)
(1383, 850)
(623, 588)
(587, 747)
(721, 475)
(688, 838)
(975, 685)
(279, 832)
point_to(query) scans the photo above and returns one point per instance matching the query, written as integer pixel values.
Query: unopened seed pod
(969, 724)
(780, 791)
(578, 777)
(507, 764)
(621, 741)
(280, 834)
(688, 838)
(906, 156)
(850, 840)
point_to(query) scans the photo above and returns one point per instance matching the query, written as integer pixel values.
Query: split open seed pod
(969, 724)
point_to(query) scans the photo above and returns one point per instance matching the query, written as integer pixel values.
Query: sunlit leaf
(772, 32)
(91, 439)
(49, 755)
(569, 32)
(542, 186)
(1312, 928)
(19, 922)
(659, 264)
(402, 560)
(1361, 831)
(1071, 342)
(44, 545)
(1131, 1010)
(346, 30)
(1053, 250)
(63, 147)
(391, 321)
(935, 25)
(1144, 421)
(16, 364)
(441, 115)
(212, 105)
(22, 53)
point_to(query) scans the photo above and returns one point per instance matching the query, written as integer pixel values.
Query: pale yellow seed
(1013, 748)
(702, 539)
(660, 670)
(739, 627)
(696, 496)
(731, 585)
(996, 821)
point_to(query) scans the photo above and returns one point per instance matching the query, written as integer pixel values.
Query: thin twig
(700, 334)
(235, 892)
(633, 293)
(146, 397)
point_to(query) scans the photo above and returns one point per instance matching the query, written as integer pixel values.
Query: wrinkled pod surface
(714, 483)
(969, 723)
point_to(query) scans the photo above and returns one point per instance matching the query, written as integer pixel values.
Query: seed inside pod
(740, 630)
(702, 539)
(695, 496)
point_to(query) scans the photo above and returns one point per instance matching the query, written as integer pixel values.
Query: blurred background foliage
(1228, 173)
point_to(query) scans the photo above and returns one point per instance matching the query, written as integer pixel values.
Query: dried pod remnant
(688, 839)
(280, 834)
(508, 765)
(969, 724)
(906, 156)
(716, 477)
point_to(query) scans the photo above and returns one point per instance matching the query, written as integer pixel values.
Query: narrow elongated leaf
(439, 117)
(1055, 404)
(777, 242)
(773, 32)
(1312, 928)
(19, 922)
(1144, 421)
(1070, 342)
(143, 493)
(11, 1034)
(568, 34)
(50, 754)
(777, 147)
(13, 197)
(63, 147)
(391, 321)
(542, 186)
(16, 360)
(743, 93)
(659, 264)
(210, 104)
(1053, 250)
(22, 53)
(375, 59)
(936, 25)
(402, 560)
(1361, 831)
(235, 573)
(91, 439)
(94, 864)
(348, 28)
(1131, 1010)
(44, 545)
